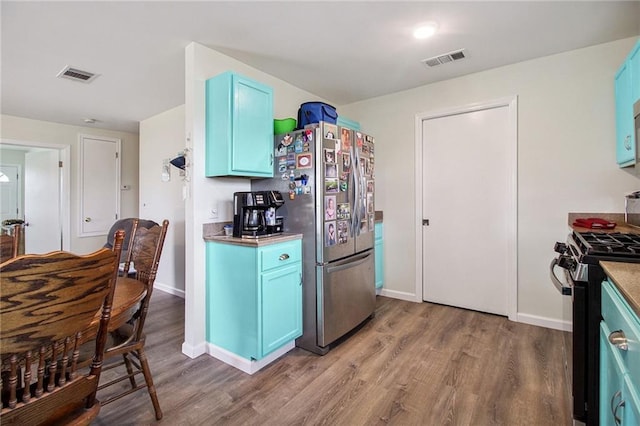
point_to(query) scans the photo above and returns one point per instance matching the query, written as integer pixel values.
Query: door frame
(511, 103)
(64, 152)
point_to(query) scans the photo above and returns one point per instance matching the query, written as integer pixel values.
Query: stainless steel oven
(579, 260)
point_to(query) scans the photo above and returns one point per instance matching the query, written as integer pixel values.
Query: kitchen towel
(594, 223)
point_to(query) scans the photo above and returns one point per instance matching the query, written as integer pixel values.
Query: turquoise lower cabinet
(379, 271)
(619, 360)
(254, 297)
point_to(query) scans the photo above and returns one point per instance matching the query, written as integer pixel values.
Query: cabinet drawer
(281, 254)
(618, 316)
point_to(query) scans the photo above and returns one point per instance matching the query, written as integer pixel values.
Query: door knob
(87, 219)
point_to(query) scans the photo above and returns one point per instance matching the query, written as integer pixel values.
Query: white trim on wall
(512, 262)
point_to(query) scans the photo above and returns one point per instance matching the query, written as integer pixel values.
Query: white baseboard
(246, 365)
(194, 351)
(409, 297)
(544, 322)
(168, 289)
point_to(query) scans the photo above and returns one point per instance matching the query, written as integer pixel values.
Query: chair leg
(127, 363)
(146, 371)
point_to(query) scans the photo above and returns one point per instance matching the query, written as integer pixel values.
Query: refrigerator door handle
(352, 190)
(355, 261)
(355, 220)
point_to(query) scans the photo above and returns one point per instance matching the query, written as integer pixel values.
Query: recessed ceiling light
(425, 30)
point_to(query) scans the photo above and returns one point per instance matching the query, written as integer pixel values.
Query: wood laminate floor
(412, 364)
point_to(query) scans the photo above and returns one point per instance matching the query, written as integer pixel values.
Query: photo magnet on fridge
(304, 161)
(330, 233)
(329, 156)
(331, 185)
(330, 171)
(343, 211)
(345, 138)
(343, 232)
(330, 131)
(330, 207)
(346, 162)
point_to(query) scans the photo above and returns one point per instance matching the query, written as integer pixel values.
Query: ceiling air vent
(444, 58)
(77, 75)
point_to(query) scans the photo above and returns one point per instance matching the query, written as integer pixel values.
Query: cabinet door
(252, 149)
(634, 61)
(631, 392)
(281, 307)
(611, 381)
(625, 146)
(379, 269)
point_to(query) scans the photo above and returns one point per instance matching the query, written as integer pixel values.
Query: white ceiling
(340, 51)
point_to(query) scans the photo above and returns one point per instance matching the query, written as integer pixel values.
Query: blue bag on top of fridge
(314, 112)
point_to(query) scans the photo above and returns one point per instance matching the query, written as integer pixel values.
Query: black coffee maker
(254, 213)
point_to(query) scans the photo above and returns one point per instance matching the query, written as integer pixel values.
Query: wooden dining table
(127, 297)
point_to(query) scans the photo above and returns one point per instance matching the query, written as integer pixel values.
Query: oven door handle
(564, 290)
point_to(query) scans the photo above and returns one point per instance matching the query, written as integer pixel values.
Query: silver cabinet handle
(614, 410)
(87, 219)
(284, 256)
(627, 143)
(619, 340)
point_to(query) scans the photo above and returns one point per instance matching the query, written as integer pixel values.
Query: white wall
(566, 160)
(46, 132)
(206, 193)
(162, 138)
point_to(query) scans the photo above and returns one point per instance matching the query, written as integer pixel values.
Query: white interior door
(99, 184)
(42, 201)
(467, 201)
(10, 192)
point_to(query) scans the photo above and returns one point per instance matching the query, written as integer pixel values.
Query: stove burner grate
(610, 244)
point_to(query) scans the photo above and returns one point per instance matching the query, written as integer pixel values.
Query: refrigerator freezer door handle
(352, 263)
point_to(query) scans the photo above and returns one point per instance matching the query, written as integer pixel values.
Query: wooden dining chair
(129, 225)
(128, 341)
(10, 244)
(47, 302)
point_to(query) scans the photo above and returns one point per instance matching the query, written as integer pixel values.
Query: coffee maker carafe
(254, 213)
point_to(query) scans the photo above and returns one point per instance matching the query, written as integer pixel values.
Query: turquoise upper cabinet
(627, 91)
(239, 127)
(634, 60)
(345, 122)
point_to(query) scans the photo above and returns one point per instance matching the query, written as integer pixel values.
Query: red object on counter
(594, 223)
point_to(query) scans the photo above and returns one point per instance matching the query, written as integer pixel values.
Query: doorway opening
(44, 192)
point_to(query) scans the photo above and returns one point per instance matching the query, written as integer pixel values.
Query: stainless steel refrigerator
(326, 174)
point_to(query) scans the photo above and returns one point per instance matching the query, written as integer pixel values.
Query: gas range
(579, 257)
(589, 248)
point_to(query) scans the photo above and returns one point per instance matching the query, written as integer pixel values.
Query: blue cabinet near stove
(619, 360)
